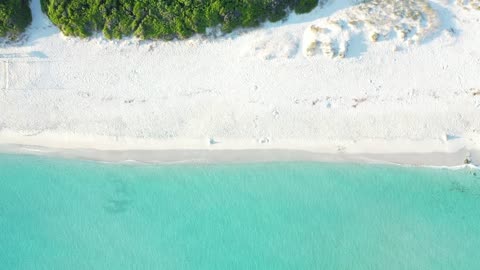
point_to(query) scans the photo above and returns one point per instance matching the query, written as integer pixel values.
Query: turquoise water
(65, 214)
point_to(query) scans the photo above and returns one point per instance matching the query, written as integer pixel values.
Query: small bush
(305, 6)
(15, 16)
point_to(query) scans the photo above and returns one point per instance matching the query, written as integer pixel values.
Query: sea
(73, 214)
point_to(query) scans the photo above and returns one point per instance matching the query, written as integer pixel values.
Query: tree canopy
(15, 16)
(164, 19)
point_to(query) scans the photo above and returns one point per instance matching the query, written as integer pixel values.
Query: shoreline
(436, 159)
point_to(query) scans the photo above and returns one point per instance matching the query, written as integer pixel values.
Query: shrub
(164, 19)
(15, 16)
(304, 6)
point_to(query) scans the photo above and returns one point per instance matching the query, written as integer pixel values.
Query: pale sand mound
(469, 4)
(412, 21)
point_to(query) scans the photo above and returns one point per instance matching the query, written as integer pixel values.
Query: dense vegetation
(165, 19)
(15, 16)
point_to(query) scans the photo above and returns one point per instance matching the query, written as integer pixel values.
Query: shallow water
(67, 214)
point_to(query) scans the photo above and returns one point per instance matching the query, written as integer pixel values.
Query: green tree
(15, 16)
(165, 19)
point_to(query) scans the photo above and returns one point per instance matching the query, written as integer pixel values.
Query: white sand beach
(344, 80)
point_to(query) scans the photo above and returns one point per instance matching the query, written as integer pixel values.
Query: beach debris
(275, 113)
(107, 98)
(83, 94)
(468, 159)
(212, 141)
(357, 101)
(264, 140)
(451, 31)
